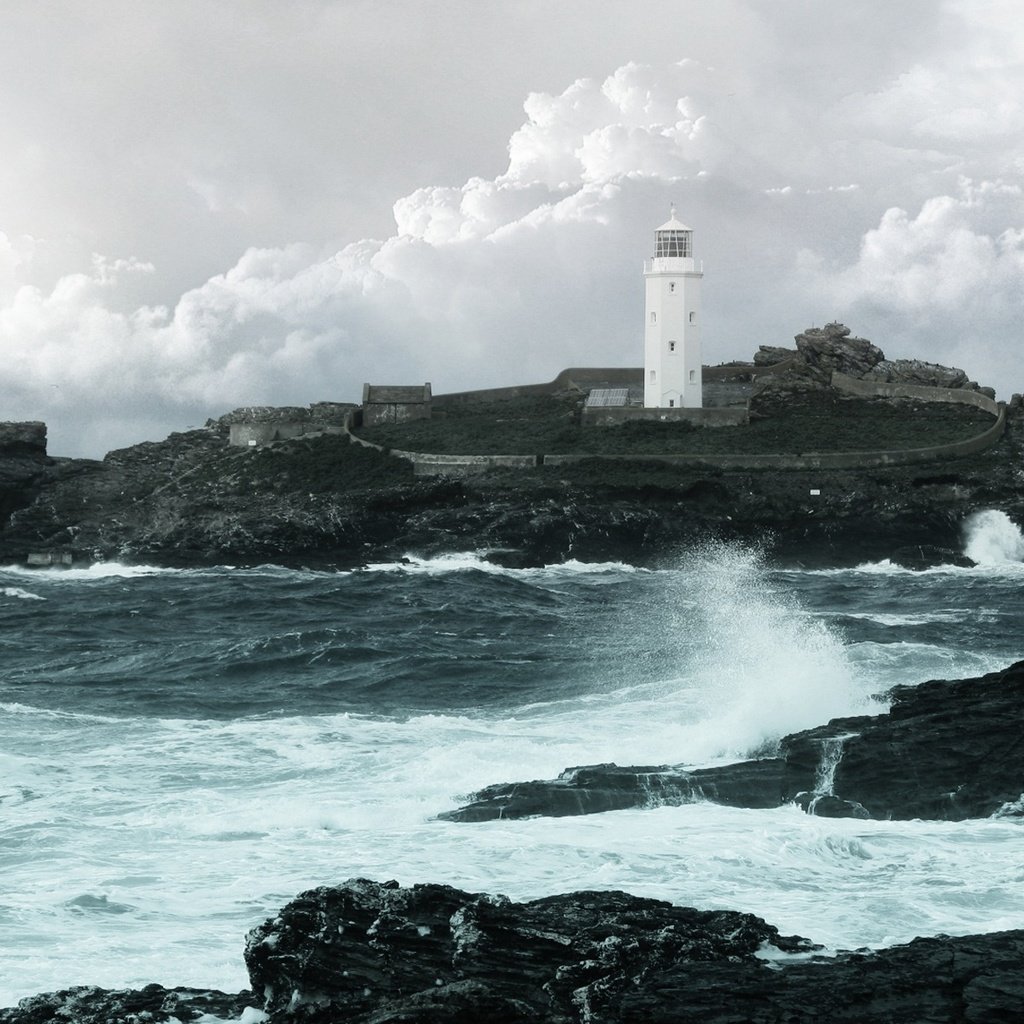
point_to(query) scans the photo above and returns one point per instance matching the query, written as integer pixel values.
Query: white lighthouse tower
(672, 366)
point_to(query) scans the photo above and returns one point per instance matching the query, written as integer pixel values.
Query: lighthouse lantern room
(672, 360)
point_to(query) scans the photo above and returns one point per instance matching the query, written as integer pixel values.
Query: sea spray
(992, 538)
(763, 665)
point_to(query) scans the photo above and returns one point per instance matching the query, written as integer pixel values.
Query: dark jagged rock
(928, 556)
(968, 980)
(86, 1004)
(946, 750)
(367, 951)
(592, 789)
(376, 953)
(23, 464)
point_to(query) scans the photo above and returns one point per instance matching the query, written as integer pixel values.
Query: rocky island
(822, 473)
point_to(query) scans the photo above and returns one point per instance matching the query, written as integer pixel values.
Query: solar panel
(605, 397)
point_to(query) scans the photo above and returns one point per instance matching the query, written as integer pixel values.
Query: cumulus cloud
(954, 270)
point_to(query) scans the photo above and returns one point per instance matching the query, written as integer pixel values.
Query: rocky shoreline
(945, 751)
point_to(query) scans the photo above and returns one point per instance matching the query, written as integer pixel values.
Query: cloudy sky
(212, 204)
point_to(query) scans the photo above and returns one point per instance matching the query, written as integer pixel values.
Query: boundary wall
(960, 396)
(622, 375)
(708, 416)
(431, 464)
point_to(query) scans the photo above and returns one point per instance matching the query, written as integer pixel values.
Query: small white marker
(815, 492)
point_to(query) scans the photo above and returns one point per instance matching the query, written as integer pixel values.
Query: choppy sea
(183, 751)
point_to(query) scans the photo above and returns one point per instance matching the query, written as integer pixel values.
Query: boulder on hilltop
(829, 349)
(822, 351)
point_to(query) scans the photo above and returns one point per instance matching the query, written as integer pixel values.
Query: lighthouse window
(672, 243)
(672, 286)
(693, 376)
(654, 376)
(671, 346)
(654, 318)
(693, 316)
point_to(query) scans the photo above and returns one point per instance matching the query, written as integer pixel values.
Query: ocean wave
(96, 571)
(21, 594)
(462, 561)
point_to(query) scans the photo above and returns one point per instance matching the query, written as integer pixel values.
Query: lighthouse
(672, 366)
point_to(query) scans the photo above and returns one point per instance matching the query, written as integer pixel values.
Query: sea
(183, 751)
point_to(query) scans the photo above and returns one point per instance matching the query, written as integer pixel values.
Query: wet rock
(592, 789)
(963, 980)
(375, 953)
(929, 556)
(946, 750)
(369, 951)
(87, 1004)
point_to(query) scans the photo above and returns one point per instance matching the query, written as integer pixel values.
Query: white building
(672, 361)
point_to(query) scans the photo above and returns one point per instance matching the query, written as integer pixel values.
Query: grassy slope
(550, 425)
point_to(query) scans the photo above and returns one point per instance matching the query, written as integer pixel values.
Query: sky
(248, 202)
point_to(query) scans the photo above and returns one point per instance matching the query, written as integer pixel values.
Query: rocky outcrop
(946, 750)
(367, 951)
(772, 355)
(23, 463)
(375, 953)
(829, 349)
(822, 351)
(87, 1004)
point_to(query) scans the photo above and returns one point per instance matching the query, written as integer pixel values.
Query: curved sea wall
(431, 464)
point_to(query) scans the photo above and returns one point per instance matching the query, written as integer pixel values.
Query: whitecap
(992, 538)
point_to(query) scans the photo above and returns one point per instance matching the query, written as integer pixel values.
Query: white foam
(462, 561)
(96, 571)
(21, 594)
(992, 538)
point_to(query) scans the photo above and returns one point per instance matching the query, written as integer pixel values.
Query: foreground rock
(372, 952)
(89, 1005)
(947, 750)
(368, 953)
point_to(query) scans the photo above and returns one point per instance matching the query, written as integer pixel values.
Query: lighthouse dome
(673, 238)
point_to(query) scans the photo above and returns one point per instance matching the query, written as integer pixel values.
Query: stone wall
(250, 426)
(427, 464)
(614, 416)
(464, 465)
(959, 396)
